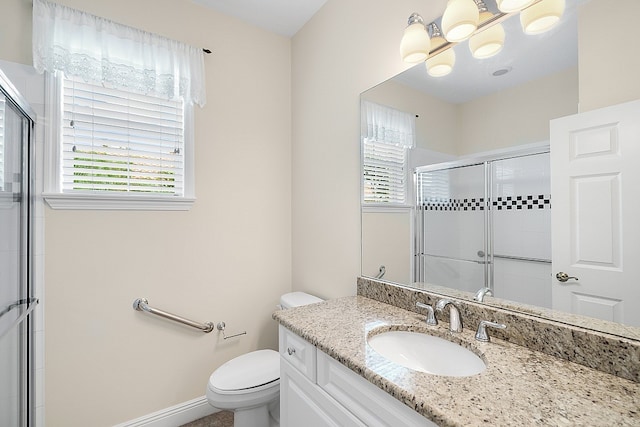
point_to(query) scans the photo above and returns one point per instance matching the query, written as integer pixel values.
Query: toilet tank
(296, 299)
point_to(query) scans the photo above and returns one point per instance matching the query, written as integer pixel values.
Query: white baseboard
(174, 416)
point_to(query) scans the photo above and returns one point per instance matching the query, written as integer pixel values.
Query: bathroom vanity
(331, 376)
(314, 386)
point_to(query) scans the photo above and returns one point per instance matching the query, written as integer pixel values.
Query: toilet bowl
(249, 385)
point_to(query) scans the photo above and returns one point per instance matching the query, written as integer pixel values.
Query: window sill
(381, 207)
(115, 202)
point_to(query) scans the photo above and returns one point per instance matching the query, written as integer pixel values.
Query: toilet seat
(247, 373)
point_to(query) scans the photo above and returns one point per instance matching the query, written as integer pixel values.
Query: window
(116, 141)
(120, 112)
(384, 173)
(117, 149)
(387, 136)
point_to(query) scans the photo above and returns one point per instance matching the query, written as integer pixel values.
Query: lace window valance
(117, 56)
(385, 124)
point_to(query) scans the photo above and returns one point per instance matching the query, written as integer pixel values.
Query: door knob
(563, 277)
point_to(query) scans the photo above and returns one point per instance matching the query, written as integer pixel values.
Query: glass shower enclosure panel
(451, 227)
(16, 300)
(521, 229)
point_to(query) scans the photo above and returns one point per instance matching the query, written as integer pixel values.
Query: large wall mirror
(480, 138)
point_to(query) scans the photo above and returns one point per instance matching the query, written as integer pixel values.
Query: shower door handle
(563, 277)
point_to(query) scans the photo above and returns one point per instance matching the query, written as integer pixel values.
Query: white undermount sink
(426, 353)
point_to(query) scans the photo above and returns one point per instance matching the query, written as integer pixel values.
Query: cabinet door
(303, 403)
(366, 401)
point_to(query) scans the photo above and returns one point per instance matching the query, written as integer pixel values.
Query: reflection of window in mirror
(387, 136)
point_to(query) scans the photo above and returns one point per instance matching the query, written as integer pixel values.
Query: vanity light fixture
(441, 63)
(460, 20)
(489, 41)
(509, 6)
(487, 33)
(415, 44)
(542, 16)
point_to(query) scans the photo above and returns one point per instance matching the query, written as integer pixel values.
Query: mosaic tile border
(539, 201)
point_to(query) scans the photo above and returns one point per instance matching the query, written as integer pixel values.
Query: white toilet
(249, 385)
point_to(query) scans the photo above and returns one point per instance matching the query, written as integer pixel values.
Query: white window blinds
(384, 169)
(387, 135)
(115, 141)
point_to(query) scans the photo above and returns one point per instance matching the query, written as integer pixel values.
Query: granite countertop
(519, 387)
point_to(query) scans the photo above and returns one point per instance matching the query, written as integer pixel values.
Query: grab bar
(141, 304)
(381, 272)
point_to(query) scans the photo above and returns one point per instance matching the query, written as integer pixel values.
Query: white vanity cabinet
(317, 390)
(302, 402)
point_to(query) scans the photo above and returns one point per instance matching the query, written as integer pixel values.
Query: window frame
(104, 200)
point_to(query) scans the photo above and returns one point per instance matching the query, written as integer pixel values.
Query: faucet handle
(431, 318)
(482, 292)
(481, 333)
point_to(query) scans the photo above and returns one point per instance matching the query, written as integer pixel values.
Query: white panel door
(595, 215)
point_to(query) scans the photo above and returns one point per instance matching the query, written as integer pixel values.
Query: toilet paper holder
(221, 325)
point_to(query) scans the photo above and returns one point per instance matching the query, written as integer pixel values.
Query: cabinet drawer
(371, 405)
(298, 352)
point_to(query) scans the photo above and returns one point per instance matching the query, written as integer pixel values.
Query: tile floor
(219, 419)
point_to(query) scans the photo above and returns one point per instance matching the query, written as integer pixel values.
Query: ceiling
(284, 17)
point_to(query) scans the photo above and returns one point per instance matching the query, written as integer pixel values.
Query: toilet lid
(297, 299)
(247, 371)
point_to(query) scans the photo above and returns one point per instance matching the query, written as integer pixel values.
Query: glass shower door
(451, 224)
(16, 301)
(521, 229)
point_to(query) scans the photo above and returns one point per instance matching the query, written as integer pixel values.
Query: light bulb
(441, 64)
(489, 41)
(542, 16)
(460, 20)
(415, 43)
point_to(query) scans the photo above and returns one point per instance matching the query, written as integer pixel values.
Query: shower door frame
(15, 99)
(483, 159)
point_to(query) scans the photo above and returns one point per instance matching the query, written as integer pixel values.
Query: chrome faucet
(455, 325)
(481, 294)
(481, 333)
(431, 318)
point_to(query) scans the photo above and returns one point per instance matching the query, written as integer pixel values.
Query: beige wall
(436, 124)
(487, 123)
(608, 53)
(386, 240)
(229, 258)
(346, 48)
(518, 115)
